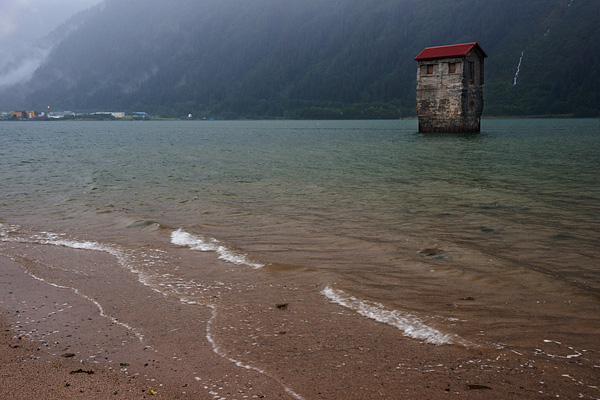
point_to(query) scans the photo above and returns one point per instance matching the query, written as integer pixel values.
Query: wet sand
(27, 371)
(271, 337)
(486, 239)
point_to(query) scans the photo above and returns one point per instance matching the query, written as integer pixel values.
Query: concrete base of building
(429, 127)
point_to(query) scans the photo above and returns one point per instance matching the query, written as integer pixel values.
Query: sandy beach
(299, 260)
(49, 325)
(29, 372)
(119, 339)
(39, 361)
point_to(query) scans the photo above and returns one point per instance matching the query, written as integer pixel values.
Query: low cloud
(22, 69)
(22, 24)
(36, 18)
(9, 11)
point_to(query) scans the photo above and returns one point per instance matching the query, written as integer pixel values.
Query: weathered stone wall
(450, 99)
(473, 94)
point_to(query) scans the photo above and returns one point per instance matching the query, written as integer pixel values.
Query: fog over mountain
(25, 27)
(309, 58)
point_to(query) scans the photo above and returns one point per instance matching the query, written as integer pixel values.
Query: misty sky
(22, 22)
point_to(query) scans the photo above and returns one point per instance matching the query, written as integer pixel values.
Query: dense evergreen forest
(314, 59)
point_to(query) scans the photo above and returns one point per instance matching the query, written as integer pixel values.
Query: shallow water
(484, 239)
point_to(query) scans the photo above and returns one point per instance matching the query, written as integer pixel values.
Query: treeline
(313, 59)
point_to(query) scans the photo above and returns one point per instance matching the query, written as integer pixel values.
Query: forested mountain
(314, 58)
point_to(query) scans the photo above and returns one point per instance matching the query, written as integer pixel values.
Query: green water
(414, 221)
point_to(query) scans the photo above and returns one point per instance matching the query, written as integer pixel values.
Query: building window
(430, 69)
(471, 71)
(451, 68)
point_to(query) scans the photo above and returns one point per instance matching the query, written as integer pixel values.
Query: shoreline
(161, 351)
(308, 261)
(172, 119)
(37, 360)
(161, 347)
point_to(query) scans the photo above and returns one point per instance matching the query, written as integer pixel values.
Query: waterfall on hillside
(523, 52)
(518, 69)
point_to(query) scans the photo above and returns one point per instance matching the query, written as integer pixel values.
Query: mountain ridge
(304, 59)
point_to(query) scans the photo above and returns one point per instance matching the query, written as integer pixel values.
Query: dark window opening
(430, 69)
(471, 71)
(451, 68)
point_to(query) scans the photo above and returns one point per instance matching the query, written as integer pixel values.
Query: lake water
(487, 239)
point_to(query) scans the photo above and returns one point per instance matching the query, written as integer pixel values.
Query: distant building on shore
(23, 114)
(60, 114)
(140, 115)
(450, 88)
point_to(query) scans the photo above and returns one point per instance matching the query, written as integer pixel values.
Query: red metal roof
(454, 50)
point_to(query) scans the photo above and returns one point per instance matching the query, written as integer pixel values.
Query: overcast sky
(22, 22)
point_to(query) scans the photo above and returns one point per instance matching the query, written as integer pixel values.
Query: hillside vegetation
(315, 59)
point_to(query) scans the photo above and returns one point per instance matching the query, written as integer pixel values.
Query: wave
(199, 243)
(410, 325)
(9, 233)
(48, 238)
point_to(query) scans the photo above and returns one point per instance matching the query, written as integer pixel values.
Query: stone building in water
(450, 88)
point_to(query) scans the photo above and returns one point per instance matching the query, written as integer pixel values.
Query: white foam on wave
(199, 243)
(118, 253)
(570, 349)
(409, 324)
(49, 238)
(6, 230)
(178, 237)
